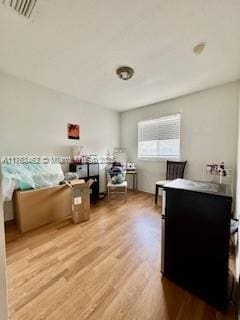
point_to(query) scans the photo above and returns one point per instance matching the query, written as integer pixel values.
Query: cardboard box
(35, 208)
(80, 200)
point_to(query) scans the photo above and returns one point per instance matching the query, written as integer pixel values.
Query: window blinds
(164, 128)
(159, 137)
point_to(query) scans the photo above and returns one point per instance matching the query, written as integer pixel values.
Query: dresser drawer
(82, 170)
(93, 169)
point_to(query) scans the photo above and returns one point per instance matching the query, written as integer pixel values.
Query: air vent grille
(22, 7)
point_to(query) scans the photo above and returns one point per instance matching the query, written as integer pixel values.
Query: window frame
(159, 157)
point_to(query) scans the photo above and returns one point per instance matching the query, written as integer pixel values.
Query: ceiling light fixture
(198, 49)
(125, 73)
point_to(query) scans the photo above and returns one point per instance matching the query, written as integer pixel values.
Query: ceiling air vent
(22, 7)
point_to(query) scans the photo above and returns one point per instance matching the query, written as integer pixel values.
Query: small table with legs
(133, 173)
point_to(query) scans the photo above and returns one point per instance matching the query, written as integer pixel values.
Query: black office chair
(175, 170)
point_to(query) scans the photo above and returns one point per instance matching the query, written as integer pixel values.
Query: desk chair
(175, 170)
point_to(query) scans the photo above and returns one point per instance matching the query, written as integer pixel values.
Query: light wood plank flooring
(105, 269)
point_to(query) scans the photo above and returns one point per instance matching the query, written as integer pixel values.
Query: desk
(133, 173)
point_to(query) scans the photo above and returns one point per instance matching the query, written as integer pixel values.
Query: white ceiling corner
(75, 47)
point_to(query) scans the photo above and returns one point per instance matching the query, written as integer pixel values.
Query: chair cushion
(118, 185)
(162, 182)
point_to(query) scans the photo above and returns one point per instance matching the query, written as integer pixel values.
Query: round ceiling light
(125, 73)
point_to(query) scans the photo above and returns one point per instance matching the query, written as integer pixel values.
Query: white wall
(33, 121)
(208, 132)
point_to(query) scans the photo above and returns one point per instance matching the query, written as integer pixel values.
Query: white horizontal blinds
(159, 137)
(164, 128)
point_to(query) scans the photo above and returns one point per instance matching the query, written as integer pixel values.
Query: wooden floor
(105, 269)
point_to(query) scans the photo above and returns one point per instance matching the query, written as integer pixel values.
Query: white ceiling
(75, 47)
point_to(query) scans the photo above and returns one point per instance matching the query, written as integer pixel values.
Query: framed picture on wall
(73, 131)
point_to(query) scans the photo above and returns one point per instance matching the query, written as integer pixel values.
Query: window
(159, 138)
